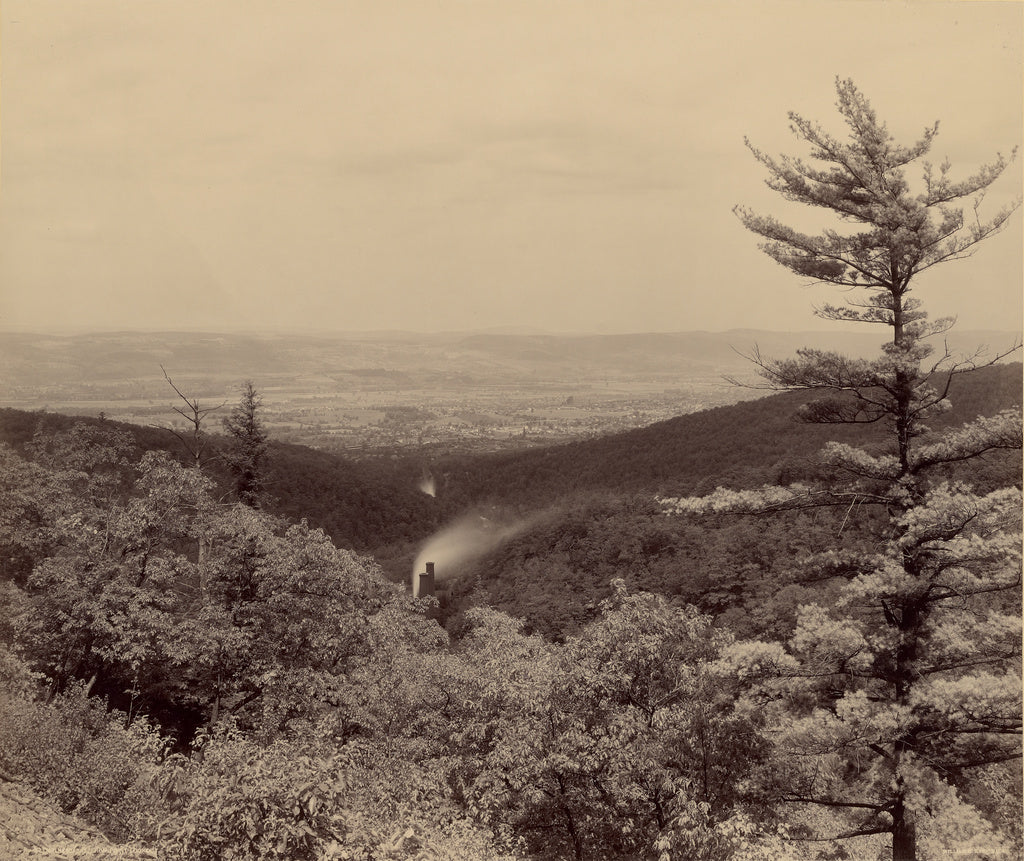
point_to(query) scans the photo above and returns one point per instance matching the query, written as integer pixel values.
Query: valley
(396, 393)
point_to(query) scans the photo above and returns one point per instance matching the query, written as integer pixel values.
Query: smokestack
(426, 584)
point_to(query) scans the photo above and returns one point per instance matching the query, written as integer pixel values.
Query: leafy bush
(250, 802)
(16, 679)
(308, 799)
(78, 754)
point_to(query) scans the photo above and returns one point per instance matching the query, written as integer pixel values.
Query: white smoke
(455, 546)
(427, 484)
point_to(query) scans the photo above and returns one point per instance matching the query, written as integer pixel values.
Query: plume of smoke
(462, 542)
(427, 484)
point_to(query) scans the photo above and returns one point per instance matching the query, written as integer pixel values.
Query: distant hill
(34, 367)
(740, 445)
(586, 512)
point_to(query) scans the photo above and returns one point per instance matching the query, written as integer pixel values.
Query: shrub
(76, 753)
(16, 679)
(249, 802)
(310, 799)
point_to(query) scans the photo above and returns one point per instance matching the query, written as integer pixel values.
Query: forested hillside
(740, 445)
(586, 513)
(374, 505)
(600, 519)
(361, 505)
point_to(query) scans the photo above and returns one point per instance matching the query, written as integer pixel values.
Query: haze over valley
(387, 392)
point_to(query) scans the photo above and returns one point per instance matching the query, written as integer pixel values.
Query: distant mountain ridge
(220, 361)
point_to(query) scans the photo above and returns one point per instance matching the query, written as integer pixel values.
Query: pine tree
(248, 446)
(898, 703)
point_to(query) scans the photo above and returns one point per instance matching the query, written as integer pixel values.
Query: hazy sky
(569, 165)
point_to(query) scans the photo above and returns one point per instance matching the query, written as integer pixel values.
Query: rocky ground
(33, 828)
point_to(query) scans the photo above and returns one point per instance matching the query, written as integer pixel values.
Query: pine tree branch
(988, 760)
(963, 665)
(793, 798)
(847, 835)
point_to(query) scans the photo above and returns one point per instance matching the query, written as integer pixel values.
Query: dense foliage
(335, 719)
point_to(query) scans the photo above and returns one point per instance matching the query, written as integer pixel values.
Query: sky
(439, 165)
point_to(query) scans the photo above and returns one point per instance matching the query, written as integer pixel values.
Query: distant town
(373, 395)
(373, 422)
(367, 397)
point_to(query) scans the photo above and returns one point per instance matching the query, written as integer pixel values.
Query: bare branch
(195, 415)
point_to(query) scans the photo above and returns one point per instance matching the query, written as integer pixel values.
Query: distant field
(367, 394)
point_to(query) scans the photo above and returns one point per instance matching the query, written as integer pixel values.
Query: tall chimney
(426, 582)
